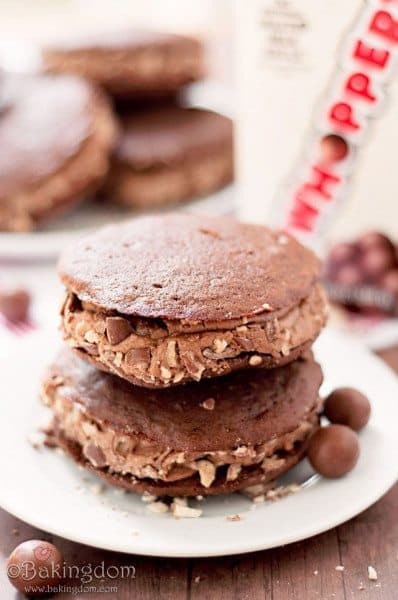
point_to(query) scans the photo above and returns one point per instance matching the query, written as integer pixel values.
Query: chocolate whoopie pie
(131, 62)
(162, 300)
(170, 154)
(212, 437)
(56, 134)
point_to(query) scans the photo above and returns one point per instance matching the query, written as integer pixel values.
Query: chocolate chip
(245, 343)
(73, 304)
(95, 455)
(154, 329)
(122, 446)
(193, 365)
(91, 349)
(348, 406)
(137, 356)
(117, 330)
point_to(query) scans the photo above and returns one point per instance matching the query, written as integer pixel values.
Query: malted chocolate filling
(154, 352)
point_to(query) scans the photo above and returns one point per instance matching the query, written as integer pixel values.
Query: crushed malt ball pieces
(207, 472)
(117, 361)
(181, 501)
(220, 345)
(147, 497)
(37, 439)
(233, 471)
(208, 404)
(91, 337)
(165, 373)
(97, 489)
(372, 573)
(255, 360)
(158, 507)
(233, 518)
(185, 512)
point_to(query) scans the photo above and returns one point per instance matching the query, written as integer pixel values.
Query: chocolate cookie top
(249, 407)
(167, 135)
(127, 39)
(43, 122)
(180, 266)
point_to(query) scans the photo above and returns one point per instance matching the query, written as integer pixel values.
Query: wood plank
(155, 578)
(307, 570)
(372, 539)
(212, 578)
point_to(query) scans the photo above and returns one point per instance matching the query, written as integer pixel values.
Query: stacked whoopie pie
(189, 369)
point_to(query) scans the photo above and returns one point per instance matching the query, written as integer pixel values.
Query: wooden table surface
(301, 571)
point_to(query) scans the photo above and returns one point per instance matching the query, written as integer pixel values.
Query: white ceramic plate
(45, 489)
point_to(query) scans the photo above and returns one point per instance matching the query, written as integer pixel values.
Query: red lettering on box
(341, 116)
(323, 179)
(302, 216)
(372, 56)
(385, 25)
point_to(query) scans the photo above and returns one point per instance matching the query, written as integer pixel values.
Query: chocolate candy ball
(333, 148)
(374, 239)
(34, 564)
(14, 305)
(342, 253)
(376, 261)
(389, 281)
(347, 406)
(333, 451)
(349, 275)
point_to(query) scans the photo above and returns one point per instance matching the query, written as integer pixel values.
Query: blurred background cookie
(56, 134)
(131, 62)
(361, 275)
(168, 154)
